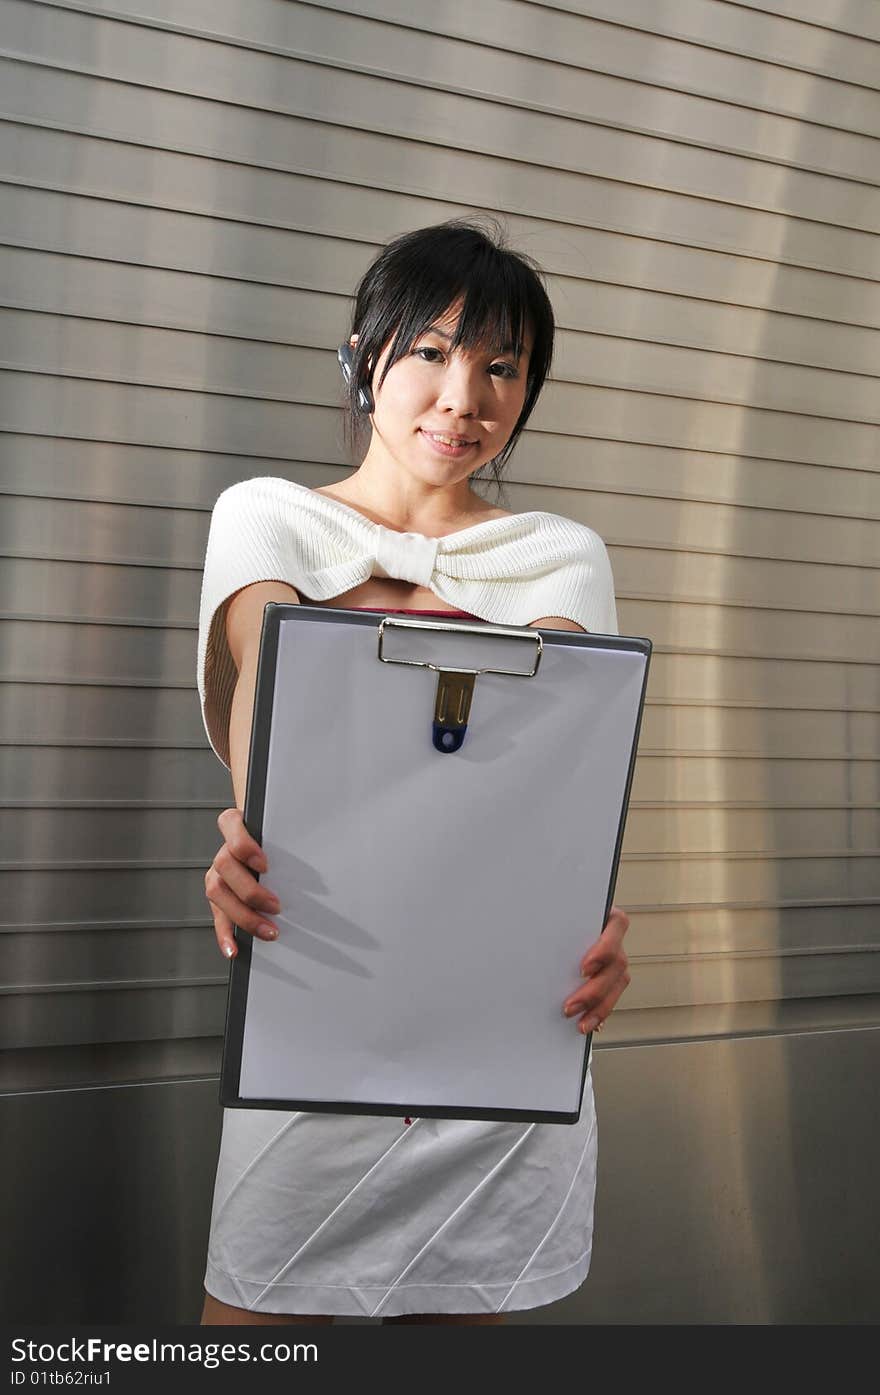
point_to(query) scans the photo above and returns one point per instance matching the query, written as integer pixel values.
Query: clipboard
(442, 805)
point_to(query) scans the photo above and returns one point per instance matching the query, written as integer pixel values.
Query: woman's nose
(460, 390)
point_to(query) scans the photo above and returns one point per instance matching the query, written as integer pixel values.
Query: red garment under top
(398, 610)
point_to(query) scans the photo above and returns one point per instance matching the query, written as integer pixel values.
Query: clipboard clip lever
(452, 708)
(455, 686)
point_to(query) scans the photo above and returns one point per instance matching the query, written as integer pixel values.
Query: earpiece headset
(345, 354)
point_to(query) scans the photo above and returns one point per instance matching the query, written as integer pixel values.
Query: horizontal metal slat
(105, 1066)
(688, 752)
(57, 467)
(260, 370)
(79, 958)
(684, 626)
(111, 835)
(167, 833)
(700, 677)
(677, 930)
(89, 591)
(757, 334)
(617, 467)
(50, 894)
(39, 1019)
(39, 957)
(860, 18)
(580, 41)
(65, 893)
(305, 368)
(762, 36)
(783, 584)
(62, 713)
(724, 980)
(116, 948)
(691, 425)
(167, 417)
(170, 358)
(61, 467)
(787, 634)
(669, 778)
(92, 589)
(61, 653)
(704, 528)
(346, 76)
(136, 1014)
(50, 283)
(199, 172)
(760, 732)
(318, 258)
(619, 362)
(161, 776)
(647, 881)
(654, 1026)
(778, 769)
(109, 654)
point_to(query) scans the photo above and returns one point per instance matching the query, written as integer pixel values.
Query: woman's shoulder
(259, 487)
(570, 530)
(265, 501)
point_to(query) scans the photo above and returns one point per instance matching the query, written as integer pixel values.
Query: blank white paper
(435, 907)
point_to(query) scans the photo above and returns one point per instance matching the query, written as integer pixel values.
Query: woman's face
(442, 413)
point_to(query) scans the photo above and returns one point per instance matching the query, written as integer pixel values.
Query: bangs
(492, 300)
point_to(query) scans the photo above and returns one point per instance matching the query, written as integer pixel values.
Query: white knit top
(509, 571)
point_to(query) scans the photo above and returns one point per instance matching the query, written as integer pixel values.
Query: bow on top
(510, 570)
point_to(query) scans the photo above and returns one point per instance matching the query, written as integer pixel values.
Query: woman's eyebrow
(435, 329)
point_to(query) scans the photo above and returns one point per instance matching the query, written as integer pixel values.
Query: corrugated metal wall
(191, 189)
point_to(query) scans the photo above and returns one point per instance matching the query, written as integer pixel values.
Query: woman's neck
(397, 500)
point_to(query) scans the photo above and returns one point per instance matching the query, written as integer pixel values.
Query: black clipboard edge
(631, 644)
(236, 1001)
(255, 795)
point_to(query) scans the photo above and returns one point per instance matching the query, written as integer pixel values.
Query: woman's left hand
(605, 967)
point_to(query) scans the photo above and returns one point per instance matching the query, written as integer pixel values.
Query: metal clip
(455, 687)
(452, 708)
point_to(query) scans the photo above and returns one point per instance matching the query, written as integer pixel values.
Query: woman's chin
(436, 468)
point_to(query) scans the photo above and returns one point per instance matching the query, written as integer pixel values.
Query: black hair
(417, 277)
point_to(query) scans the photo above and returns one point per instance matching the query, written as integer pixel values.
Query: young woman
(425, 1220)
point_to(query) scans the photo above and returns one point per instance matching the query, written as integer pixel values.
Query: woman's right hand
(234, 894)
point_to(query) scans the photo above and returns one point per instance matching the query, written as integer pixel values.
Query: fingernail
(229, 951)
(590, 1025)
(267, 932)
(569, 1010)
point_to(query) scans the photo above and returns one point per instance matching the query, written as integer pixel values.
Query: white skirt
(352, 1214)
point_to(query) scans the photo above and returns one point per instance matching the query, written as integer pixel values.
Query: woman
(425, 1220)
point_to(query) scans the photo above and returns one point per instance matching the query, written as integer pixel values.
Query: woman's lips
(447, 445)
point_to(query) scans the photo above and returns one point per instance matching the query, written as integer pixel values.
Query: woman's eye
(504, 370)
(427, 349)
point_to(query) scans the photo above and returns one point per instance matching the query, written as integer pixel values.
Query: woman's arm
(557, 622)
(233, 892)
(244, 626)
